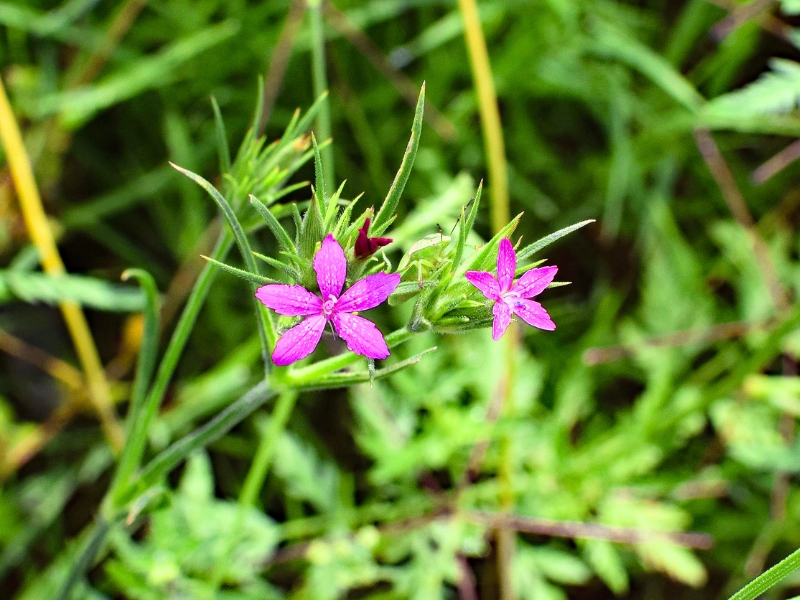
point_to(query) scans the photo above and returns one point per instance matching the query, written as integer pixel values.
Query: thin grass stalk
(769, 578)
(500, 215)
(183, 329)
(490, 115)
(320, 83)
(42, 237)
(139, 417)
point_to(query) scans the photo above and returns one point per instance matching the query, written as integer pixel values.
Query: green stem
(139, 415)
(138, 437)
(95, 538)
(320, 83)
(169, 458)
(768, 579)
(299, 378)
(266, 448)
(256, 476)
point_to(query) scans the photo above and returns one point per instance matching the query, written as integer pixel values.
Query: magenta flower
(361, 335)
(514, 298)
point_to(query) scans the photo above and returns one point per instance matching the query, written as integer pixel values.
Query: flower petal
(299, 341)
(534, 314)
(331, 268)
(502, 317)
(289, 300)
(485, 282)
(533, 282)
(362, 336)
(506, 264)
(368, 293)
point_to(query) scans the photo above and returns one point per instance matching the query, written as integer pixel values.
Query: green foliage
(639, 412)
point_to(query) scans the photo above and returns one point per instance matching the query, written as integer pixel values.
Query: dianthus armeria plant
(331, 266)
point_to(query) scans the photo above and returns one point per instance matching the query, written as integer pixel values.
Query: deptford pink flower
(361, 335)
(514, 298)
(367, 246)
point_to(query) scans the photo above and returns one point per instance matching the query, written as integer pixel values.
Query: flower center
(510, 296)
(328, 305)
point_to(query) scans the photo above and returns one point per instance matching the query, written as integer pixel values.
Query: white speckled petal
(362, 336)
(299, 341)
(485, 282)
(331, 268)
(368, 293)
(506, 264)
(502, 318)
(289, 300)
(533, 282)
(534, 314)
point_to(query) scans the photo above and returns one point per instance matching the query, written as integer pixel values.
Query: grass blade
(533, 248)
(398, 185)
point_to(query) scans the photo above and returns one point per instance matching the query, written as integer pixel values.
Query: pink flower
(514, 298)
(361, 335)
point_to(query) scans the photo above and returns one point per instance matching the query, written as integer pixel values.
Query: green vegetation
(645, 449)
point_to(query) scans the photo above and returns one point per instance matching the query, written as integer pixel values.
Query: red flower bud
(367, 246)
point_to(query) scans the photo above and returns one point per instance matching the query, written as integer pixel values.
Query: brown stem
(575, 529)
(776, 164)
(119, 27)
(402, 83)
(280, 60)
(767, 22)
(716, 333)
(738, 207)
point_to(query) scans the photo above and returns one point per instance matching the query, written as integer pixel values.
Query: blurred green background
(665, 400)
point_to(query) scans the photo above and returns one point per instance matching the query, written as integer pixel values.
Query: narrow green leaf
(614, 43)
(299, 377)
(246, 275)
(222, 139)
(533, 248)
(319, 176)
(340, 380)
(86, 291)
(769, 578)
(465, 224)
(277, 229)
(398, 185)
(266, 327)
(140, 413)
(94, 538)
(229, 418)
(78, 105)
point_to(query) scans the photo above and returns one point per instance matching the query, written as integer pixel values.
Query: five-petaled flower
(514, 298)
(361, 335)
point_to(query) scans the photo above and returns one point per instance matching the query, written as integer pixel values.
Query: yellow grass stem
(490, 114)
(500, 215)
(42, 237)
